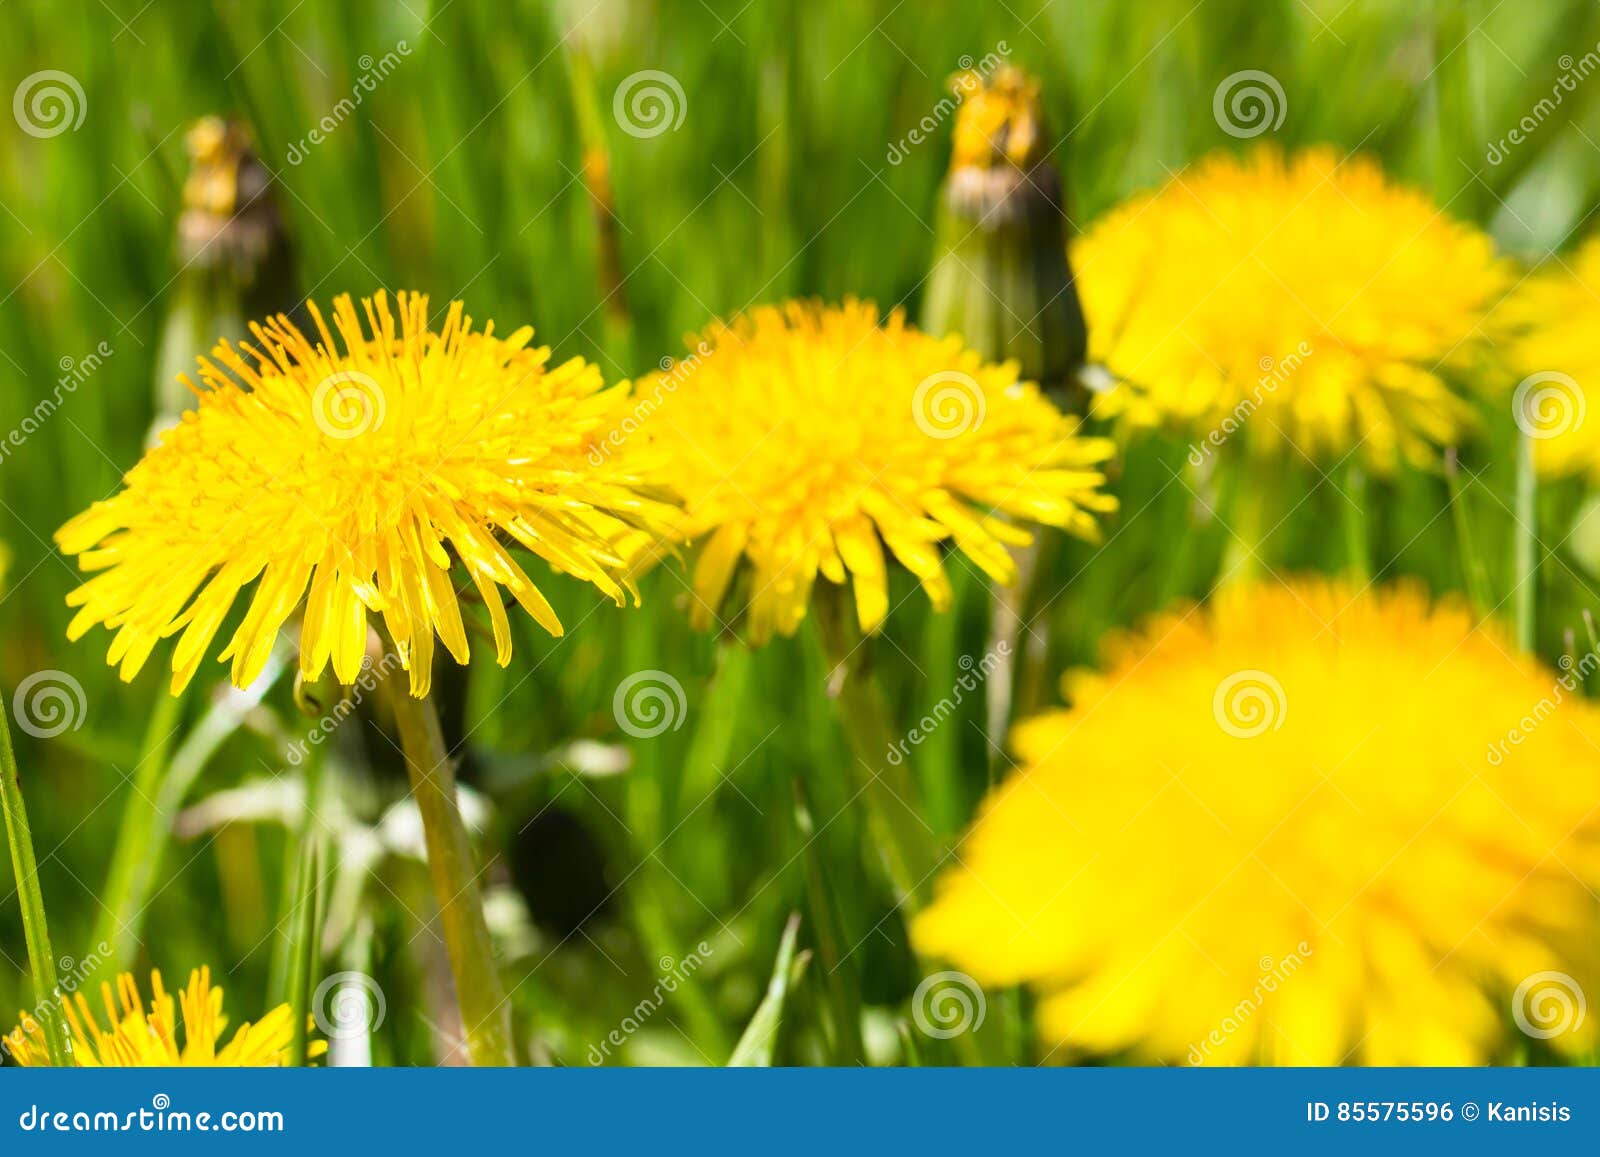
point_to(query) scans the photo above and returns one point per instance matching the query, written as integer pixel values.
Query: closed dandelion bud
(1001, 277)
(233, 255)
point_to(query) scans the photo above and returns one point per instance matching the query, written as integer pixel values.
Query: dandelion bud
(233, 254)
(1001, 277)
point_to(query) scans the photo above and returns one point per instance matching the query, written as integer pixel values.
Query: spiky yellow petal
(814, 440)
(1304, 303)
(372, 474)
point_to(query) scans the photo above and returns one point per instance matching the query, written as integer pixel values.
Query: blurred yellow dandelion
(1549, 326)
(1303, 825)
(1308, 301)
(138, 1036)
(348, 482)
(806, 438)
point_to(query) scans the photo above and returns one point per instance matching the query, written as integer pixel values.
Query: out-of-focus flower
(1548, 327)
(1307, 302)
(807, 438)
(148, 1037)
(348, 482)
(234, 258)
(1304, 825)
(1000, 278)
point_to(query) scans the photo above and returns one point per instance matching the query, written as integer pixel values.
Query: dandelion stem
(1526, 564)
(485, 1011)
(903, 838)
(1358, 552)
(34, 929)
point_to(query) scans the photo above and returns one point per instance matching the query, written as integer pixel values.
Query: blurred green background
(461, 174)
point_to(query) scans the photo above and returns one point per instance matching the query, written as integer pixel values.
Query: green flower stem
(485, 1009)
(1358, 552)
(1525, 578)
(886, 788)
(1241, 554)
(35, 931)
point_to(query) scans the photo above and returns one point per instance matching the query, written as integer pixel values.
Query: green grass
(459, 175)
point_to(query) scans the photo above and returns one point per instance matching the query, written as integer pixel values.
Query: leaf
(754, 1050)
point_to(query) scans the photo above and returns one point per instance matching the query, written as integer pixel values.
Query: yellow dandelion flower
(137, 1036)
(806, 438)
(1308, 301)
(349, 481)
(1303, 825)
(1549, 325)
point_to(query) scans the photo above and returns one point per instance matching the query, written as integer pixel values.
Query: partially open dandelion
(378, 473)
(824, 440)
(1548, 328)
(1306, 301)
(1304, 825)
(188, 1030)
